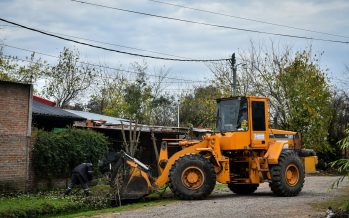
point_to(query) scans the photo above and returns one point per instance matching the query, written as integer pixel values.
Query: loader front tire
(243, 189)
(287, 177)
(192, 177)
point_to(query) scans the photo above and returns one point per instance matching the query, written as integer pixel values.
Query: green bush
(56, 154)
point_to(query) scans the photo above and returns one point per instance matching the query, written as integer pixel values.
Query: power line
(103, 66)
(167, 89)
(108, 77)
(24, 49)
(105, 77)
(105, 43)
(248, 19)
(109, 49)
(187, 81)
(172, 82)
(4, 25)
(107, 67)
(209, 24)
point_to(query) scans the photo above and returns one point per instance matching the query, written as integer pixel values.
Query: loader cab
(244, 119)
(232, 115)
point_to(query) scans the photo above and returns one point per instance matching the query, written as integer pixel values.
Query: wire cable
(209, 24)
(248, 19)
(110, 49)
(105, 43)
(106, 77)
(107, 67)
(345, 82)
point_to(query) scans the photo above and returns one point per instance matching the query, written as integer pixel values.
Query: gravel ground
(262, 203)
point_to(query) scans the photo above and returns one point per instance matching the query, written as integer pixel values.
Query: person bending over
(81, 175)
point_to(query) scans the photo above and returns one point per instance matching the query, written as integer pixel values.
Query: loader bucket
(130, 179)
(136, 186)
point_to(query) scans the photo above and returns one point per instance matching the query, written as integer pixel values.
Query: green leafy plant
(342, 165)
(56, 154)
(28, 70)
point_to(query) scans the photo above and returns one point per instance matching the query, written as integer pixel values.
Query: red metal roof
(44, 101)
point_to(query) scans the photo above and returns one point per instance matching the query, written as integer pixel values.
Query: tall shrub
(56, 154)
(308, 99)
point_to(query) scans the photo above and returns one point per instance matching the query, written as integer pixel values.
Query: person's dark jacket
(85, 170)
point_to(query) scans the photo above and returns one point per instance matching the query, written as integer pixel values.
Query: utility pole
(233, 69)
(178, 112)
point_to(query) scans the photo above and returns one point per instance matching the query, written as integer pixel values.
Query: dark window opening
(232, 115)
(258, 116)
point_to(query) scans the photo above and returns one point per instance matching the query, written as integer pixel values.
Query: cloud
(181, 39)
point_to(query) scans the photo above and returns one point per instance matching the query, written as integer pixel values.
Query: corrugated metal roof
(92, 116)
(45, 110)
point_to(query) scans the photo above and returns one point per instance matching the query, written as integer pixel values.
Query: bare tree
(153, 139)
(257, 74)
(131, 145)
(158, 84)
(223, 76)
(262, 67)
(163, 104)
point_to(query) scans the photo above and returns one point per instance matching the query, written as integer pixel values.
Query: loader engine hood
(229, 113)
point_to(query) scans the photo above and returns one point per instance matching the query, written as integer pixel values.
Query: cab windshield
(232, 115)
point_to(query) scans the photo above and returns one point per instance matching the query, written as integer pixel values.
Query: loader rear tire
(192, 177)
(287, 177)
(243, 189)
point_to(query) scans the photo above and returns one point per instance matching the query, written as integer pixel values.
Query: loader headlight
(285, 146)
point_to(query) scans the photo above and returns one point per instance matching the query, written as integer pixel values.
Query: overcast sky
(176, 38)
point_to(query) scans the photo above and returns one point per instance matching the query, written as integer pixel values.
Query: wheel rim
(192, 177)
(292, 175)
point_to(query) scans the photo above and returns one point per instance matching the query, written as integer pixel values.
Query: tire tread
(278, 184)
(208, 185)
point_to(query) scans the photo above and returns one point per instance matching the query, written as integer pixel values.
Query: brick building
(15, 135)
(19, 112)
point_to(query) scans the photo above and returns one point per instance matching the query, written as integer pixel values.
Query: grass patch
(27, 201)
(37, 205)
(220, 186)
(137, 205)
(162, 197)
(54, 204)
(340, 202)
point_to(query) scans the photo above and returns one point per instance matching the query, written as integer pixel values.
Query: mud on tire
(243, 189)
(192, 177)
(287, 177)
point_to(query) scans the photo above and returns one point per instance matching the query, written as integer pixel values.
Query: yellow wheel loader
(242, 153)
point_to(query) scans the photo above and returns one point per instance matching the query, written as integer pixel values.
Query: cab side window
(258, 116)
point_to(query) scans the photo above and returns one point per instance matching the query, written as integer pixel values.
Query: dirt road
(224, 203)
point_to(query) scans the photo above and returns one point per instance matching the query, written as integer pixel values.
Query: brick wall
(15, 135)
